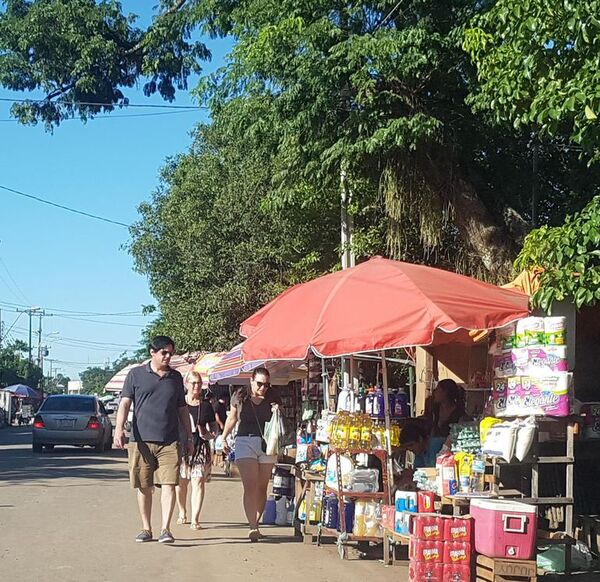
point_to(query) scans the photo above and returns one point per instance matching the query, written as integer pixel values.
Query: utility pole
(1, 329)
(31, 312)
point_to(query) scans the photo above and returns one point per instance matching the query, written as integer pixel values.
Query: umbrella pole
(325, 384)
(411, 389)
(388, 426)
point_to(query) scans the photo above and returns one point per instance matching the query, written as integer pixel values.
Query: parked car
(112, 405)
(73, 419)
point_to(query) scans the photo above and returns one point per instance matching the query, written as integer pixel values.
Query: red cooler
(456, 573)
(504, 529)
(422, 572)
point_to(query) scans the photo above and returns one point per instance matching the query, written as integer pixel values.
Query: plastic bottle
(342, 430)
(478, 473)
(379, 403)
(281, 511)
(365, 433)
(359, 518)
(333, 425)
(395, 435)
(270, 512)
(354, 435)
(401, 404)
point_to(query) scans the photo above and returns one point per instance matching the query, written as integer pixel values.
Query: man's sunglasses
(265, 384)
(165, 353)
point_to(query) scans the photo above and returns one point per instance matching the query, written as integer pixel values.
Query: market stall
(379, 306)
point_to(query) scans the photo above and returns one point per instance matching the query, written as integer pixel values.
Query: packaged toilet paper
(538, 396)
(546, 361)
(520, 360)
(530, 332)
(505, 337)
(504, 365)
(555, 331)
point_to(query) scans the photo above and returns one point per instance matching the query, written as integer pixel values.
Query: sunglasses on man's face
(165, 353)
(265, 384)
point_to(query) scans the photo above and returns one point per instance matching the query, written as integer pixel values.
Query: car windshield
(69, 404)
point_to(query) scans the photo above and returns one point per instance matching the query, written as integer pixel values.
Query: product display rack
(343, 536)
(535, 460)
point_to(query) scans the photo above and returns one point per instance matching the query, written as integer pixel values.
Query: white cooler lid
(503, 505)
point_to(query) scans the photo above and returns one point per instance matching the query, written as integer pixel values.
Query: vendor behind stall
(444, 407)
(415, 437)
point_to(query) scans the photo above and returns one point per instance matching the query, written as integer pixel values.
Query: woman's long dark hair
(453, 394)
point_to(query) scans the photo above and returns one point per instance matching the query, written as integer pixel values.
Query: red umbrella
(379, 304)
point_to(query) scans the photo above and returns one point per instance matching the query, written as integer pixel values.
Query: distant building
(74, 387)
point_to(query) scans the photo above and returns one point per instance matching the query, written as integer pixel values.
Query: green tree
(537, 63)
(15, 367)
(57, 384)
(83, 54)
(214, 252)
(569, 256)
(95, 378)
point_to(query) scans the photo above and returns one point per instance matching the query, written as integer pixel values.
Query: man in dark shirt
(158, 396)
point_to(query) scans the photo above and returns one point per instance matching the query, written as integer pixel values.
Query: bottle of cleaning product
(401, 404)
(379, 403)
(346, 400)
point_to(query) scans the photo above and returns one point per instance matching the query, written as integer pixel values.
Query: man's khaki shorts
(152, 464)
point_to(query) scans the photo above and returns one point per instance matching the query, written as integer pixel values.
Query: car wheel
(49, 447)
(99, 447)
(37, 447)
(109, 442)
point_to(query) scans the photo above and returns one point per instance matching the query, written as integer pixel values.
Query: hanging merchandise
(464, 436)
(525, 437)
(500, 441)
(346, 465)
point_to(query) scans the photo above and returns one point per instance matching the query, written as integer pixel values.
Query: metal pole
(411, 390)
(388, 426)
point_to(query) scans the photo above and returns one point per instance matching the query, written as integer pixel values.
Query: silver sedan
(72, 419)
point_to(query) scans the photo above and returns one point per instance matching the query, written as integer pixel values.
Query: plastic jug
(346, 400)
(270, 513)
(348, 515)
(283, 482)
(281, 511)
(331, 512)
(379, 403)
(401, 405)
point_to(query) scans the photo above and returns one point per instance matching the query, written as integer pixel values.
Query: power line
(85, 313)
(13, 280)
(98, 104)
(109, 116)
(38, 199)
(96, 321)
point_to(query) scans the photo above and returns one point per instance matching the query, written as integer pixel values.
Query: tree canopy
(538, 67)
(569, 256)
(15, 367)
(451, 127)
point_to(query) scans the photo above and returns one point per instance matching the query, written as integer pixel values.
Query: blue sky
(64, 262)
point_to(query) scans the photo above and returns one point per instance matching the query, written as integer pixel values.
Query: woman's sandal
(195, 526)
(182, 520)
(254, 535)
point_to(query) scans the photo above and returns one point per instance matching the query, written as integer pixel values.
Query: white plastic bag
(525, 436)
(501, 440)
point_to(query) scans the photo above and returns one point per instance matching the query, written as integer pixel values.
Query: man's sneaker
(166, 537)
(144, 536)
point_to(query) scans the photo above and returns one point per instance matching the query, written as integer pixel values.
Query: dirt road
(69, 515)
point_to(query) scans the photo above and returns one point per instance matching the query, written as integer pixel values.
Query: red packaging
(458, 529)
(425, 502)
(457, 553)
(428, 527)
(457, 573)
(422, 572)
(445, 465)
(424, 551)
(388, 516)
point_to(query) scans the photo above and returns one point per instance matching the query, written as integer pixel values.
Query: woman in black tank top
(253, 407)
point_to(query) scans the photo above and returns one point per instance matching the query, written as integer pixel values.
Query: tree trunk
(491, 242)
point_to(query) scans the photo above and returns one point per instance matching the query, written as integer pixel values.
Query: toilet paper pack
(536, 395)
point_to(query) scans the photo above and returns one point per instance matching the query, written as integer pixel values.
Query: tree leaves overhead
(569, 256)
(538, 66)
(82, 54)
(212, 248)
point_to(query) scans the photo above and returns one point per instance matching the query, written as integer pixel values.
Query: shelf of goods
(343, 536)
(559, 508)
